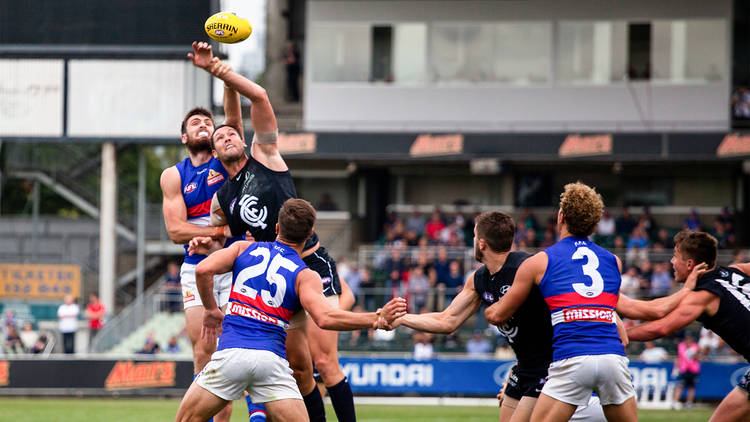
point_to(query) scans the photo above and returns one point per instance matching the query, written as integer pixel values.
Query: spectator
(454, 281)
(172, 287)
(419, 285)
(442, 264)
(548, 240)
(631, 282)
(436, 293)
(95, 313)
(520, 232)
(664, 238)
(661, 280)
(39, 345)
(434, 226)
(478, 345)
(367, 285)
(172, 346)
(423, 349)
(619, 243)
(67, 315)
(13, 343)
(606, 225)
(528, 219)
(531, 238)
(150, 346)
(638, 238)
(693, 221)
(726, 219)
(416, 221)
(653, 354)
(741, 103)
(10, 319)
(625, 223)
(292, 64)
(738, 257)
(393, 285)
(326, 203)
(689, 367)
(351, 274)
(28, 336)
(708, 342)
(648, 223)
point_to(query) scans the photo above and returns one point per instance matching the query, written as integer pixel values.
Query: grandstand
(414, 116)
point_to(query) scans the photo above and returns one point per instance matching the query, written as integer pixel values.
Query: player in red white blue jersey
(271, 287)
(580, 283)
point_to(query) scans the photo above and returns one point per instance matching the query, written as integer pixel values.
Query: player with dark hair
(721, 302)
(257, 185)
(580, 283)
(187, 189)
(270, 285)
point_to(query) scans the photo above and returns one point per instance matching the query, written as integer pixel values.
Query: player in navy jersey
(270, 285)
(580, 283)
(721, 302)
(257, 185)
(188, 188)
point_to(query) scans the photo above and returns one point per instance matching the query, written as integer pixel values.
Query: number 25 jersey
(263, 298)
(581, 286)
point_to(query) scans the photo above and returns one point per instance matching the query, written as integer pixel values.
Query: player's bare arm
(529, 273)
(264, 147)
(310, 292)
(465, 304)
(691, 307)
(744, 267)
(649, 310)
(175, 212)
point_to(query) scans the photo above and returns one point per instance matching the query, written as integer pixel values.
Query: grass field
(122, 410)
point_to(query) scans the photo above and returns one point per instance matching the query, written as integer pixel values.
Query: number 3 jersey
(581, 286)
(263, 298)
(732, 320)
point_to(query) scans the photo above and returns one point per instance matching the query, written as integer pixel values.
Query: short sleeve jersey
(732, 321)
(529, 331)
(581, 287)
(263, 298)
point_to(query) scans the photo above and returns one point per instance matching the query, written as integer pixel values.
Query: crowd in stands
(424, 259)
(23, 340)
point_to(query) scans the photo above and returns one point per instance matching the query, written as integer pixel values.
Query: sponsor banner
(39, 281)
(430, 145)
(586, 145)
(297, 143)
(484, 377)
(734, 144)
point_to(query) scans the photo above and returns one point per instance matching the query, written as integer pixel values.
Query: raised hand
(697, 272)
(219, 68)
(211, 325)
(202, 56)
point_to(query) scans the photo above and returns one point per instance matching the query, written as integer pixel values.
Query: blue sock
(194, 377)
(256, 412)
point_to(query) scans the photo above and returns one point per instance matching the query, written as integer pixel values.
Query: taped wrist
(266, 138)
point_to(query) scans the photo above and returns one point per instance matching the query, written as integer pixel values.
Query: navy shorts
(323, 264)
(527, 384)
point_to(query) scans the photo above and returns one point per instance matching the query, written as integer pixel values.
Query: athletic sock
(256, 412)
(194, 377)
(314, 404)
(343, 401)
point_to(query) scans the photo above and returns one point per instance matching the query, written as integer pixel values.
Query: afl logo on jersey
(489, 297)
(231, 206)
(190, 187)
(251, 214)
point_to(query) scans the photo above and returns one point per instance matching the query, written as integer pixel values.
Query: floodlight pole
(107, 223)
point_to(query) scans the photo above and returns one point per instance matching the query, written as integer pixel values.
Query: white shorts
(591, 412)
(190, 296)
(573, 380)
(265, 375)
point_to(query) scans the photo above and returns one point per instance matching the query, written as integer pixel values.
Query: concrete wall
(619, 106)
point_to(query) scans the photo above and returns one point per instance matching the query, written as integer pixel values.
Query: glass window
(341, 52)
(410, 52)
(461, 52)
(689, 50)
(591, 52)
(522, 52)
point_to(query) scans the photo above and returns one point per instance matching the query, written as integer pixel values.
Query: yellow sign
(39, 281)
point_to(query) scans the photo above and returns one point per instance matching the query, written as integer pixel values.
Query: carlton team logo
(251, 214)
(4, 373)
(489, 297)
(190, 187)
(126, 375)
(214, 177)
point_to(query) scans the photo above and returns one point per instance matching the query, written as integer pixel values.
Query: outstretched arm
(694, 304)
(650, 310)
(461, 308)
(175, 212)
(310, 292)
(528, 274)
(265, 147)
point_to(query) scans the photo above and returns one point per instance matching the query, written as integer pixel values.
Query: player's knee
(327, 365)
